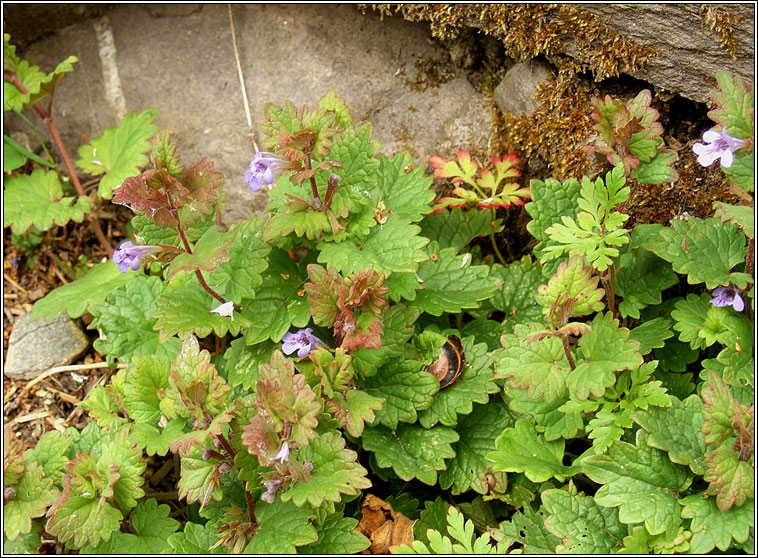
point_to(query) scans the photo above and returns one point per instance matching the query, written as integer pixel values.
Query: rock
(515, 94)
(185, 66)
(36, 347)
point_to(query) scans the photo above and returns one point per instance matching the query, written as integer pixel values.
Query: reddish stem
(48, 120)
(567, 350)
(314, 188)
(248, 497)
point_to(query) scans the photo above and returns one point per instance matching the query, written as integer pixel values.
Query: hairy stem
(567, 350)
(314, 189)
(248, 497)
(48, 120)
(492, 237)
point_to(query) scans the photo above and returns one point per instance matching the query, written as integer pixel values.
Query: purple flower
(728, 296)
(718, 145)
(284, 454)
(271, 487)
(262, 169)
(302, 342)
(128, 255)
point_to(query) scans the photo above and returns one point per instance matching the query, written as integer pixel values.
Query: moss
(722, 22)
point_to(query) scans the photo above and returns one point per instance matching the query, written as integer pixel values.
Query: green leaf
(37, 84)
(574, 280)
(478, 431)
(358, 408)
(186, 310)
(37, 200)
(28, 543)
(604, 350)
(583, 526)
(398, 328)
(153, 528)
(516, 297)
(455, 228)
(732, 480)
(335, 472)
(145, 385)
(155, 441)
(551, 200)
(126, 322)
(463, 533)
(521, 449)
(119, 152)
(405, 389)
(121, 454)
(742, 171)
(283, 526)
(528, 529)
(393, 246)
(337, 535)
(551, 418)
(677, 430)
(658, 170)
(197, 480)
(449, 283)
(699, 322)
(240, 276)
(641, 481)
(50, 453)
(651, 334)
(411, 451)
(209, 251)
(474, 385)
(712, 527)
(196, 540)
(243, 362)
(742, 215)
(704, 250)
(101, 406)
(278, 302)
(405, 193)
(34, 493)
(734, 105)
(541, 367)
(642, 542)
(77, 296)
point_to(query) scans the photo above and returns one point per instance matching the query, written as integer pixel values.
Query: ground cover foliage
(600, 401)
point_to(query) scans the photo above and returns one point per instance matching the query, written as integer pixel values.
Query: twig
(31, 417)
(12, 282)
(70, 368)
(251, 132)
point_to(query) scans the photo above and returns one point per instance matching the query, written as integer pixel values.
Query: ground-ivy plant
(603, 393)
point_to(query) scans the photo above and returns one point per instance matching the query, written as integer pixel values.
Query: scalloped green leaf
(393, 246)
(712, 527)
(157, 441)
(659, 169)
(398, 328)
(742, 215)
(699, 322)
(734, 105)
(34, 493)
(37, 199)
(336, 471)
(279, 303)
(641, 481)
(196, 480)
(120, 452)
(37, 83)
(145, 384)
(742, 171)
(208, 253)
(337, 535)
(451, 283)
(606, 349)
(50, 453)
(101, 406)
(186, 310)
(704, 250)
(126, 322)
(120, 151)
(550, 418)
(243, 362)
(411, 451)
(651, 334)
(527, 528)
(540, 367)
(516, 297)
(732, 479)
(474, 385)
(551, 200)
(521, 449)
(575, 280)
(283, 527)
(407, 194)
(678, 430)
(456, 228)
(405, 389)
(196, 539)
(583, 526)
(478, 431)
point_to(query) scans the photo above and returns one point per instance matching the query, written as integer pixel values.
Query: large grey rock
(515, 94)
(183, 63)
(35, 347)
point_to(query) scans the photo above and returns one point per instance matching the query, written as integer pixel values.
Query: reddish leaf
(203, 183)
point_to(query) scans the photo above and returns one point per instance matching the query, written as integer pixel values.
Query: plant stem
(248, 497)
(48, 119)
(492, 237)
(567, 350)
(314, 188)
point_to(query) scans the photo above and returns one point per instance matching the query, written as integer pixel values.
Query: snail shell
(450, 363)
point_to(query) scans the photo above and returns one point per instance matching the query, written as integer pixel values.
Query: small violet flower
(728, 296)
(262, 169)
(284, 454)
(225, 309)
(718, 145)
(128, 255)
(271, 487)
(303, 342)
